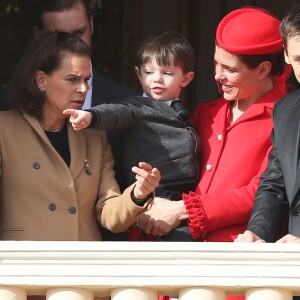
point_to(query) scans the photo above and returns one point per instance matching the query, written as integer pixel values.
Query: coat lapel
(296, 192)
(41, 133)
(218, 113)
(295, 148)
(77, 144)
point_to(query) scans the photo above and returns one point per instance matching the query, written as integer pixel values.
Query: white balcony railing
(143, 270)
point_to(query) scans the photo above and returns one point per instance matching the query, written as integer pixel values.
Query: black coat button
(72, 210)
(52, 207)
(36, 165)
(88, 172)
(295, 212)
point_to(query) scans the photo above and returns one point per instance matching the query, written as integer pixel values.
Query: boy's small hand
(79, 118)
(147, 180)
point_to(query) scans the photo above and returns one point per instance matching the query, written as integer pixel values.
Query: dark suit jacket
(106, 90)
(279, 189)
(154, 133)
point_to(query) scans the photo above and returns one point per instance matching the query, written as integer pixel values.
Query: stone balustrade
(143, 270)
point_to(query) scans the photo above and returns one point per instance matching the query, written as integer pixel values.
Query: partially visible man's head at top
(73, 16)
(290, 32)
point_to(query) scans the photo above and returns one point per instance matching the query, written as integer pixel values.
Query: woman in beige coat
(55, 183)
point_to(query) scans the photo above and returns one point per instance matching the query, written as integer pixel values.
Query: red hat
(249, 31)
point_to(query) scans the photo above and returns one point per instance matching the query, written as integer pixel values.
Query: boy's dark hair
(290, 25)
(167, 48)
(45, 53)
(44, 6)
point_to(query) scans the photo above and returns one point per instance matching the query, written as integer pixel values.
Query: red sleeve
(213, 211)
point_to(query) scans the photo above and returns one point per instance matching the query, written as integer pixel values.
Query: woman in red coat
(234, 130)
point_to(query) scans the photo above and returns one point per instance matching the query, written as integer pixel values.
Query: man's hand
(163, 216)
(248, 237)
(289, 239)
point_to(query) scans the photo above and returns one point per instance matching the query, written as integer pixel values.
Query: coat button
(36, 165)
(220, 137)
(72, 210)
(295, 212)
(52, 207)
(88, 172)
(208, 167)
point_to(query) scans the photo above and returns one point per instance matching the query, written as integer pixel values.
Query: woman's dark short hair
(45, 53)
(276, 59)
(167, 48)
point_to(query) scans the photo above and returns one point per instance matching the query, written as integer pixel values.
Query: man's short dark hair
(290, 25)
(44, 6)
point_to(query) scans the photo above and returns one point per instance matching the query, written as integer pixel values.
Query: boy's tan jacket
(41, 198)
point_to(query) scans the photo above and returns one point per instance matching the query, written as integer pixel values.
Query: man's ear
(286, 57)
(40, 80)
(264, 69)
(188, 77)
(91, 21)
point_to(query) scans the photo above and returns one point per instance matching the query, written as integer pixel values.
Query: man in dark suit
(75, 16)
(278, 194)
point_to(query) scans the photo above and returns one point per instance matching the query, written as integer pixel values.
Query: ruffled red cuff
(197, 215)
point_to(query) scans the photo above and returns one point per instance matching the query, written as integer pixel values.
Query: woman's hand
(147, 180)
(163, 216)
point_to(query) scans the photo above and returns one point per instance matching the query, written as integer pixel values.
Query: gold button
(220, 137)
(208, 167)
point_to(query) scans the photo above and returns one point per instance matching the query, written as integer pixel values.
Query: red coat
(232, 158)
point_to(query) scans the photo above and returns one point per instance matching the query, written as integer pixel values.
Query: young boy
(153, 130)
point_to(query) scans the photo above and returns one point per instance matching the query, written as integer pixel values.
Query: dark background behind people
(120, 26)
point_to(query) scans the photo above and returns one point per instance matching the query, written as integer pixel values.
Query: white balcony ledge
(165, 268)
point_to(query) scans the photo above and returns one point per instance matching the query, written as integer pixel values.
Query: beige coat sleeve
(115, 211)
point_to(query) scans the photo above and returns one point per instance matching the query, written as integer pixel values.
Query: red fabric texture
(221, 205)
(236, 36)
(196, 212)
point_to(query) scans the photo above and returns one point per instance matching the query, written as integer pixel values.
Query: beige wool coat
(41, 198)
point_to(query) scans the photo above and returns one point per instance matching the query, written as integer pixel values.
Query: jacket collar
(218, 110)
(77, 145)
